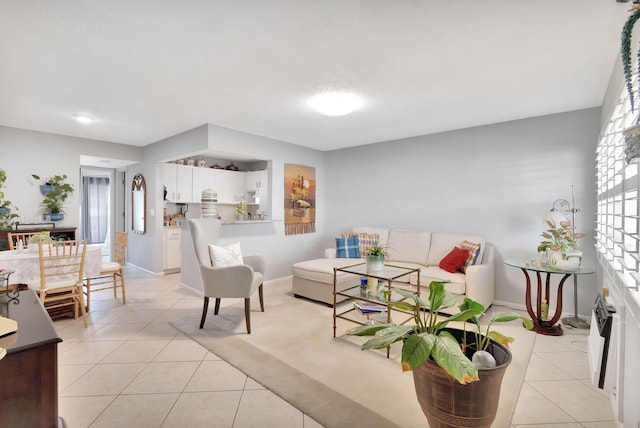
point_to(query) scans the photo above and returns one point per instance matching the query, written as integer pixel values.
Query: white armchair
(239, 281)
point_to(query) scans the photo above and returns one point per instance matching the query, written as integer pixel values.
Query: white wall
(25, 152)
(268, 239)
(497, 181)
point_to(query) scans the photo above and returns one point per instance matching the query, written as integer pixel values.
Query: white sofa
(313, 279)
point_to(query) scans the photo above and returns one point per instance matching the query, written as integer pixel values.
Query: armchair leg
(247, 314)
(204, 311)
(216, 309)
(260, 295)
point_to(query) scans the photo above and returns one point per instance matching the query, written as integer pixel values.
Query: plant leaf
(416, 350)
(510, 316)
(447, 353)
(366, 330)
(386, 337)
(500, 338)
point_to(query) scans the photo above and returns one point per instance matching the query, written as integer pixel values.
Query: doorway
(97, 207)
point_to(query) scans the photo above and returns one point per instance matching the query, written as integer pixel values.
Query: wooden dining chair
(62, 274)
(111, 273)
(15, 237)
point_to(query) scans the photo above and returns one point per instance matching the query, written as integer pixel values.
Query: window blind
(617, 211)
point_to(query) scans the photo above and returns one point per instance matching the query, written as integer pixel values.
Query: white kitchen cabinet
(178, 179)
(184, 183)
(172, 236)
(203, 178)
(257, 182)
(169, 180)
(229, 185)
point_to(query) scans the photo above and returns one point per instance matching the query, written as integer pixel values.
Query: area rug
(292, 352)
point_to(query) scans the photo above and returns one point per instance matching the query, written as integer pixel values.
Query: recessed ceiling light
(336, 103)
(83, 118)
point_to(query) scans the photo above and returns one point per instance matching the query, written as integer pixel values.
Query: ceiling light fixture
(83, 118)
(336, 103)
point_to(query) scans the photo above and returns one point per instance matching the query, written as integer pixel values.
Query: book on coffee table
(369, 308)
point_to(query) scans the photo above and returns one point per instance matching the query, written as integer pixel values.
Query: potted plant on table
(56, 191)
(632, 133)
(374, 257)
(35, 238)
(561, 246)
(451, 367)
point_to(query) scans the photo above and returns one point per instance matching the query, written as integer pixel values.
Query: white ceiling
(149, 69)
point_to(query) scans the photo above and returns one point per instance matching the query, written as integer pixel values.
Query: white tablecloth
(27, 265)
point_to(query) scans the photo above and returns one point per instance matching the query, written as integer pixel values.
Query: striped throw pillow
(474, 251)
(365, 240)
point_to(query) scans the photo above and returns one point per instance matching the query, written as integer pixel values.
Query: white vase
(375, 264)
(565, 261)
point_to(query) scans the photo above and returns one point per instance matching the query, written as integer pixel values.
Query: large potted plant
(561, 246)
(632, 133)
(457, 373)
(56, 191)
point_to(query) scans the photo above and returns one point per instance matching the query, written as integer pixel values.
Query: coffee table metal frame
(389, 274)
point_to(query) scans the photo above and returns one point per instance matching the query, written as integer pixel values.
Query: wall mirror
(138, 204)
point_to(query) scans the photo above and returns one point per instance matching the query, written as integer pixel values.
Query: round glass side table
(541, 324)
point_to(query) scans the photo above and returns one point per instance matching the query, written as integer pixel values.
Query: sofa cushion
(365, 240)
(383, 234)
(408, 246)
(442, 243)
(455, 260)
(474, 251)
(457, 280)
(348, 248)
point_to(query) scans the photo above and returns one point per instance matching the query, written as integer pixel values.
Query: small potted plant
(561, 246)
(374, 257)
(56, 192)
(632, 133)
(458, 366)
(35, 238)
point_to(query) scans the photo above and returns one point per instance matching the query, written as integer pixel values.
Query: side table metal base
(575, 322)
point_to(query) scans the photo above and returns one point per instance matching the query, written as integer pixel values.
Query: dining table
(26, 265)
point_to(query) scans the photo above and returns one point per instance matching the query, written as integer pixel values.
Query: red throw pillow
(454, 260)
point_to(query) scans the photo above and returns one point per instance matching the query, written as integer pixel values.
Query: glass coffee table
(385, 296)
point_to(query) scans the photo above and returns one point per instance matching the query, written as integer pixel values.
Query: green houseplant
(440, 356)
(35, 238)
(374, 256)
(632, 133)
(561, 246)
(7, 218)
(56, 191)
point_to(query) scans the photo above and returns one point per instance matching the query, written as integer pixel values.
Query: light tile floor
(131, 368)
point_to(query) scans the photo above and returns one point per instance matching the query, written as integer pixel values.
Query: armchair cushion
(231, 255)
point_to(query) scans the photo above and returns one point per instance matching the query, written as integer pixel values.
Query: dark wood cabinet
(65, 233)
(29, 392)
